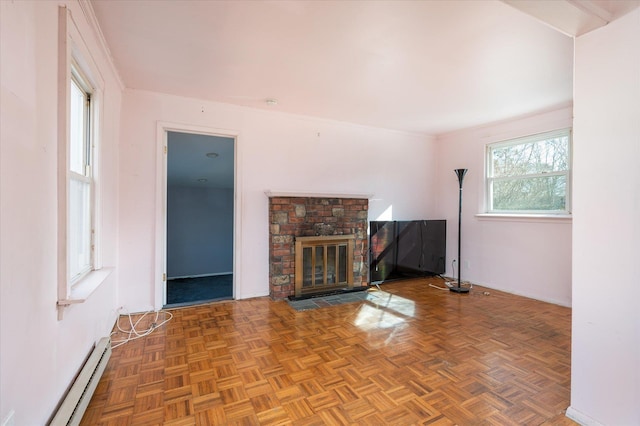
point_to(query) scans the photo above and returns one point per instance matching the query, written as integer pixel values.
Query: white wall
(199, 231)
(526, 257)
(40, 354)
(605, 365)
(275, 151)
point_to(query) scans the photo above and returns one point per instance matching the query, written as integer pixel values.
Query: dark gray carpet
(200, 289)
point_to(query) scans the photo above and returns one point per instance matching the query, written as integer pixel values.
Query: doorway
(199, 218)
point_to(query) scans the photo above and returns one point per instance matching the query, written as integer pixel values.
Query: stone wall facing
(291, 217)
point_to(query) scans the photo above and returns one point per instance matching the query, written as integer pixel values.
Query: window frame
(490, 179)
(74, 56)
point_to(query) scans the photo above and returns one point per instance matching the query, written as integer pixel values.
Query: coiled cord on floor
(133, 333)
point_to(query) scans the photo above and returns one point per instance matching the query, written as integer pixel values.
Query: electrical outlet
(9, 421)
(467, 264)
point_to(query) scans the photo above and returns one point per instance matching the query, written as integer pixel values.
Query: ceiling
(420, 66)
(189, 166)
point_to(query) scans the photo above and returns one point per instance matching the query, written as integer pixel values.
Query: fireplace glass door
(323, 263)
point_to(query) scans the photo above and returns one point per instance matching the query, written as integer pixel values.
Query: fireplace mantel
(272, 193)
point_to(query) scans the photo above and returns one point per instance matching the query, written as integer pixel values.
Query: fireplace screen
(323, 263)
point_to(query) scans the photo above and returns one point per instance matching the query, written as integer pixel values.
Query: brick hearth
(291, 217)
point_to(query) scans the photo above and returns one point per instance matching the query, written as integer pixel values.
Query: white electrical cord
(453, 273)
(132, 333)
(453, 269)
(438, 287)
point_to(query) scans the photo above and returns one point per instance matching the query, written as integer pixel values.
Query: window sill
(548, 218)
(81, 291)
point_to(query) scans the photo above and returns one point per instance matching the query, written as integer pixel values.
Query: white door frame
(163, 127)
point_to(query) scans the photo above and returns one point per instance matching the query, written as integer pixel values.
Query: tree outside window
(530, 175)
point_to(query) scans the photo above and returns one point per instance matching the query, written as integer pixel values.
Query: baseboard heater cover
(77, 399)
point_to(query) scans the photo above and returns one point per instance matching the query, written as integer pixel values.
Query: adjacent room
(304, 212)
(199, 217)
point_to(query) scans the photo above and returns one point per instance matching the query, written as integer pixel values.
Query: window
(530, 175)
(81, 88)
(80, 209)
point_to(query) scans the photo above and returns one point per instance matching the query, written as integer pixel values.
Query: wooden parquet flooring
(414, 355)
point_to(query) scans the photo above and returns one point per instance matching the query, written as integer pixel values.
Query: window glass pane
(540, 193)
(79, 256)
(544, 156)
(77, 130)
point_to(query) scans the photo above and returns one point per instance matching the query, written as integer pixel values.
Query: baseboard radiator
(77, 399)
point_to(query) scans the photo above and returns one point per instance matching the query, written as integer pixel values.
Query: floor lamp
(460, 173)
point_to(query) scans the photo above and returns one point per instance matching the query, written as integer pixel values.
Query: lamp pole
(460, 173)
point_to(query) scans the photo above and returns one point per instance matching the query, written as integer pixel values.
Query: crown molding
(90, 16)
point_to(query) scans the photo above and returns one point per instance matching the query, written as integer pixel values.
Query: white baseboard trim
(516, 293)
(199, 276)
(581, 418)
(251, 296)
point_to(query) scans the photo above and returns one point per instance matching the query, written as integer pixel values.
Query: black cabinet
(403, 249)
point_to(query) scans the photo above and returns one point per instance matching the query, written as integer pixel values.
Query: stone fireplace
(305, 220)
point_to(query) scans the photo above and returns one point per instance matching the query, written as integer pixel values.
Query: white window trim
(73, 50)
(528, 215)
(541, 218)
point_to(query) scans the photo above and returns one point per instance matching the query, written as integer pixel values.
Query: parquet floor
(412, 355)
